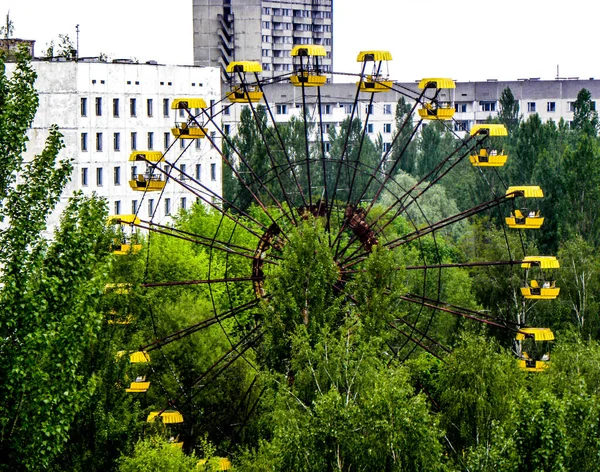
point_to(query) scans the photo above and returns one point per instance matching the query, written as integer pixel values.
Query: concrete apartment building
(106, 110)
(260, 30)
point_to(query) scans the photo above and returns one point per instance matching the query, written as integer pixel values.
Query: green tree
(405, 148)
(509, 111)
(49, 290)
(585, 116)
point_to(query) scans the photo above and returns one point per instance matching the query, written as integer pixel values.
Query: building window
(150, 207)
(98, 106)
(167, 140)
(183, 203)
(150, 140)
(115, 107)
(347, 108)
(84, 176)
(133, 172)
(182, 113)
(117, 175)
(387, 108)
(551, 106)
(132, 107)
(99, 142)
(83, 106)
(213, 172)
(531, 107)
(167, 206)
(84, 143)
(281, 110)
(369, 127)
(117, 207)
(460, 107)
(99, 177)
(226, 129)
(182, 175)
(134, 206)
(149, 107)
(369, 109)
(198, 143)
(165, 107)
(487, 106)
(133, 141)
(387, 147)
(387, 127)
(182, 143)
(461, 126)
(326, 109)
(117, 141)
(198, 172)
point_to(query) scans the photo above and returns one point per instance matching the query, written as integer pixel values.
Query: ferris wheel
(305, 222)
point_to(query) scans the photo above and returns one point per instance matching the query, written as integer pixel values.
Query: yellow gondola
(222, 463)
(488, 156)
(148, 181)
(138, 386)
(188, 129)
(307, 68)
(523, 218)
(167, 417)
(114, 319)
(440, 106)
(125, 243)
(540, 287)
(534, 348)
(244, 92)
(377, 81)
(119, 288)
(139, 357)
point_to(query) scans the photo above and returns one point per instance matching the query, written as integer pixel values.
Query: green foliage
(346, 410)
(49, 289)
(154, 454)
(509, 111)
(585, 116)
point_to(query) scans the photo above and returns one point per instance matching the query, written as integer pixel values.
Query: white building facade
(474, 103)
(108, 110)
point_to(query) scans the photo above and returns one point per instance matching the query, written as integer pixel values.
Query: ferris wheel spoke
(227, 359)
(261, 129)
(440, 307)
(445, 222)
(347, 137)
(284, 149)
(236, 172)
(206, 323)
(415, 341)
(210, 242)
(200, 242)
(202, 282)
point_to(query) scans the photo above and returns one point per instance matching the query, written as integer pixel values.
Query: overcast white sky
(463, 39)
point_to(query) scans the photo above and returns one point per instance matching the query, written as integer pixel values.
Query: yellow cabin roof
(123, 219)
(528, 191)
(167, 416)
(490, 130)
(374, 56)
(139, 356)
(308, 50)
(539, 334)
(544, 262)
(440, 83)
(244, 66)
(151, 156)
(183, 103)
